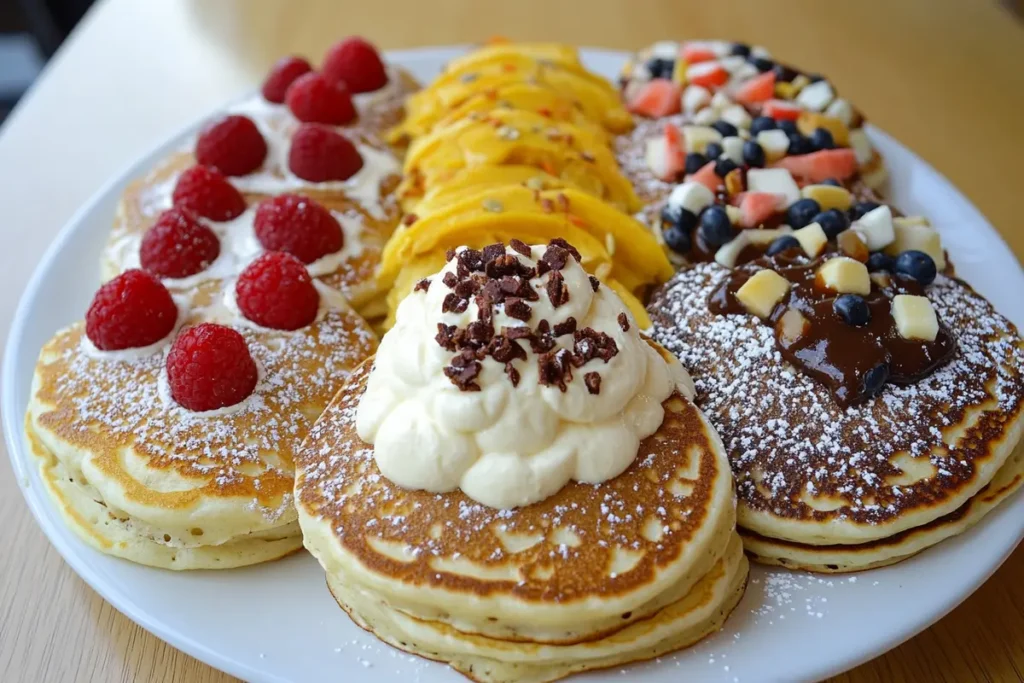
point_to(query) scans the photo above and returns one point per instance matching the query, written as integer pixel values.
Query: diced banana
(719, 101)
(698, 137)
(746, 71)
(791, 326)
(800, 82)
(911, 220)
(816, 96)
(734, 186)
(762, 292)
(842, 110)
(811, 238)
(705, 117)
(915, 317)
(851, 244)
(729, 252)
(862, 148)
(767, 236)
(679, 71)
(732, 63)
(695, 97)
(665, 49)
(737, 116)
(732, 148)
(733, 213)
(775, 143)
(694, 197)
(915, 235)
(828, 196)
(845, 275)
(876, 228)
(777, 180)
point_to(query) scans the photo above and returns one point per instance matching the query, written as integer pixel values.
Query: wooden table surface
(946, 77)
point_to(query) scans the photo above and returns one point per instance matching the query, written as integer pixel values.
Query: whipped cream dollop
(510, 373)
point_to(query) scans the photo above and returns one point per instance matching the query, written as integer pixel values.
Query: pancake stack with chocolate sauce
(165, 423)
(870, 402)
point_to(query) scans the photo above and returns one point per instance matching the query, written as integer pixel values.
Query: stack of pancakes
(592, 577)
(141, 477)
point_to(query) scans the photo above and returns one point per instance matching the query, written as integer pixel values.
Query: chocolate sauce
(854, 362)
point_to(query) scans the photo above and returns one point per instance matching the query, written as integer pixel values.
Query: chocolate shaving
(453, 303)
(422, 286)
(623, 321)
(480, 332)
(409, 219)
(563, 202)
(554, 369)
(518, 309)
(519, 246)
(589, 344)
(513, 374)
(450, 279)
(555, 257)
(504, 350)
(449, 255)
(493, 251)
(547, 205)
(472, 259)
(593, 382)
(594, 283)
(446, 336)
(568, 326)
(517, 332)
(560, 242)
(463, 370)
(506, 264)
(558, 293)
(467, 288)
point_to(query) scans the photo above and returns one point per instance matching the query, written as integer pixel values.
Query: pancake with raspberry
(165, 424)
(311, 134)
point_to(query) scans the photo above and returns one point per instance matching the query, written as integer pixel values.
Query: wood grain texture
(942, 76)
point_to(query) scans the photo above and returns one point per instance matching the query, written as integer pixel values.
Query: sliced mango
(476, 179)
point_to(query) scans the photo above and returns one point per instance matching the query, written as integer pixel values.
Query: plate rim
(23, 465)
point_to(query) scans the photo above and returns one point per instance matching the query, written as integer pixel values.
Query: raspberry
(178, 245)
(276, 291)
(132, 310)
(281, 76)
(205, 191)
(356, 63)
(318, 154)
(210, 367)
(233, 146)
(299, 226)
(314, 99)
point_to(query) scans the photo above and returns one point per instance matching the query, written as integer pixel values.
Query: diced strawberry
(707, 177)
(818, 166)
(707, 74)
(758, 89)
(697, 52)
(757, 207)
(657, 98)
(781, 110)
(665, 156)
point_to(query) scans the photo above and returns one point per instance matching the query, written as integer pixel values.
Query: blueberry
(677, 239)
(682, 218)
(660, 67)
(861, 208)
(821, 138)
(725, 128)
(916, 264)
(715, 227)
(814, 78)
(753, 154)
(723, 166)
(879, 261)
(740, 49)
(783, 73)
(762, 63)
(787, 126)
(782, 244)
(802, 212)
(762, 123)
(831, 181)
(713, 151)
(852, 309)
(695, 162)
(798, 145)
(832, 222)
(874, 379)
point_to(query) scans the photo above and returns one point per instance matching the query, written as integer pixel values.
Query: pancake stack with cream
(514, 140)
(518, 483)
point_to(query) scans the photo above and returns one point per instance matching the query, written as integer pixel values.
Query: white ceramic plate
(277, 622)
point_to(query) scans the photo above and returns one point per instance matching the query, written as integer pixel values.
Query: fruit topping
(206, 192)
(276, 291)
(715, 227)
(781, 244)
(917, 265)
(318, 154)
(314, 99)
(210, 367)
(817, 166)
(356, 63)
(758, 89)
(299, 226)
(762, 292)
(234, 146)
(852, 309)
(656, 98)
(178, 245)
(915, 317)
(130, 311)
(282, 75)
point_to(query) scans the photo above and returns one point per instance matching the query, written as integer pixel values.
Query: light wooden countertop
(945, 77)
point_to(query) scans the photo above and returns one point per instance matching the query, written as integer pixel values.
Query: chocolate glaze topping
(854, 362)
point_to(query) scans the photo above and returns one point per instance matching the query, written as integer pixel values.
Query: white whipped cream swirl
(506, 446)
